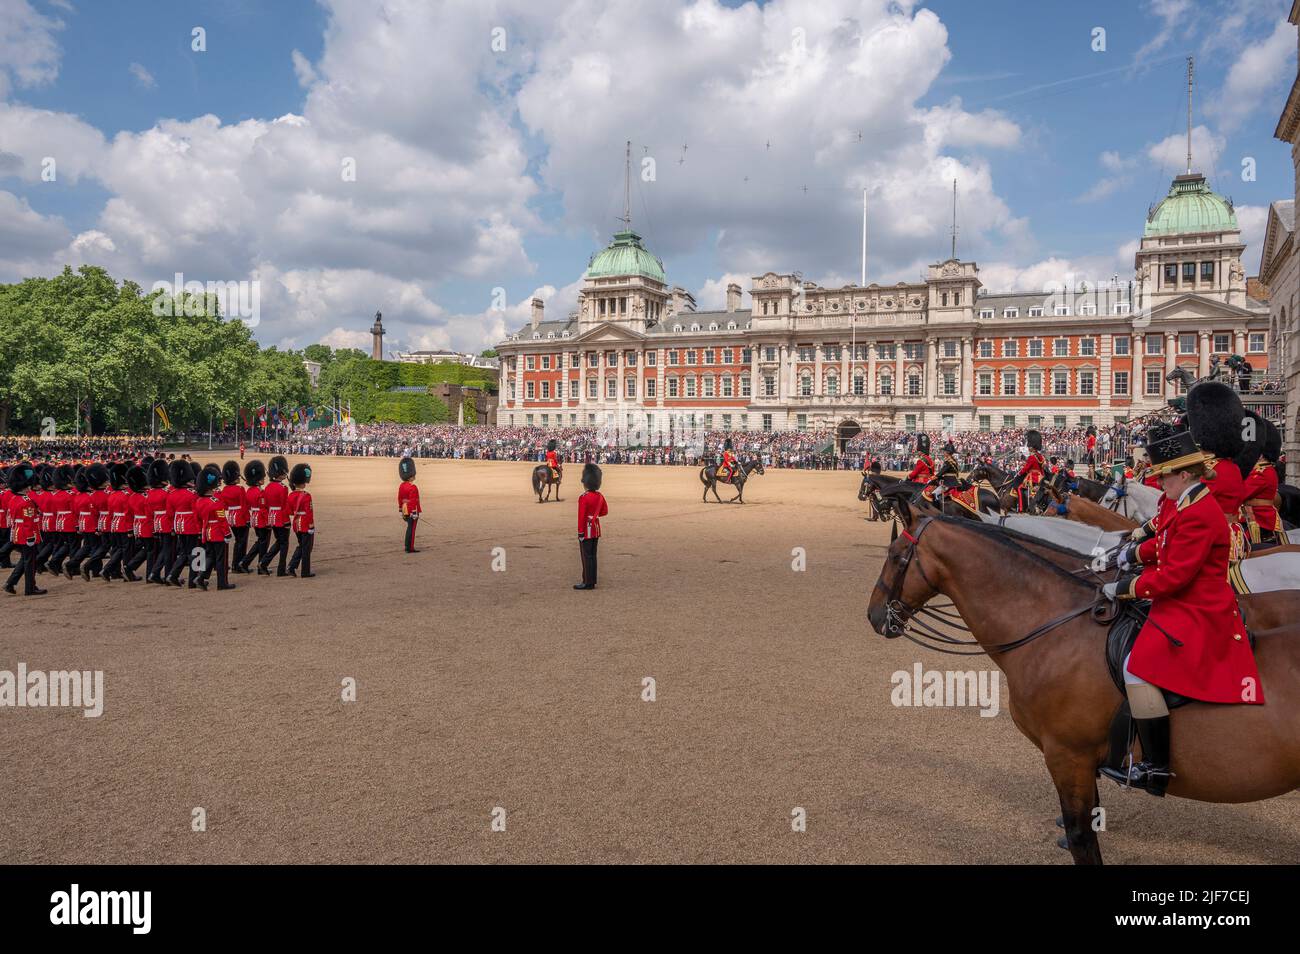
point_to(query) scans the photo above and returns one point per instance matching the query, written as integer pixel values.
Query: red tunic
(923, 470)
(157, 508)
(24, 520)
(181, 516)
(141, 516)
(1034, 468)
(64, 519)
(211, 513)
(408, 494)
(99, 505)
(236, 502)
(1192, 601)
(1260, 489)
(45, 503)
(276, 500)
(83, 512)
(119, 512)
(304, 520)
(5, 496)
(256, 510)
(591, 507)
(553, 459)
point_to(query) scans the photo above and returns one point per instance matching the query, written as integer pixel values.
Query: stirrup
(1142, 775)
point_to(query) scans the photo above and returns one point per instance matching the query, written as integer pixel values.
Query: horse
(542, 477)
(1079, 509)
(1062, 697)
(709, 477)
(884, 487)
(1136, 501)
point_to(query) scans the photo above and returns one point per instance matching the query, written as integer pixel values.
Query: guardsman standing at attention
(1194, 641)
(276, 500)
(1261, 514)
(408, 501)
(236, 503)
(1090, 455)
(1026, 481)
(923, 471)
(25, 529)
(591, 507)
(304, 520)
(254, 474)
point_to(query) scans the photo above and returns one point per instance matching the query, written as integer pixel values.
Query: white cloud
(1253, 219)
(142, 76)
(29, 52)
(1260, 69)
(1176, 19)
(1170, 154)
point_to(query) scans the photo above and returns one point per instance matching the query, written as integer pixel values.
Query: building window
(1062, 310)
(1120, 308)
(1207, 271)
(1155, 344)
(745, 386)
(807, 354)
(592, 359)
(546, 362)
(1256, 344)
(1060, 382)
(986, 422)
(769, 388)
(691, 356)
(1189, 271)
(767, 422)
(1035, 421)
(886, 384)
(1036, 311)
(673, 387)
(913, 351)
(530, 390)
(1221, 344)
(805, 384)
(859, 383)
(629, 359)
(650, 387)
(1008, 382)
(769, 353)
(573, 389)
(950, 348)
(651, 359)
(1008, 421)
(985, 387)
(1036, 348)
(727, 355)
(690, 386)
(1058, 420)
(1010, 312)
(1085, 420)
(611, 387)
(830, 352)
(728, 389)
(909, 422)
(1034, 383)
(746, 356)
(1061, 348)
(1187, 344)
(592, 385)
(630, 387)
(986, 349)
(530, 363)
(943, 299)
(611, 359)
(832, 385)
(956, 298)
(726, 422)
(1011, 348)
(801, 421)
(709, 355)
(708, 385)
(546, 390)
(949, 383)
(1087, 347)
(1086, 382)
(1121, 382)
(1121, 346)
(1153, 382)
(885, 352)
(673, 357)
(986, 312)
(1171, 273)
(914, 384)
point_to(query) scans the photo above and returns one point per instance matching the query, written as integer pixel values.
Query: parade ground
(481, 688)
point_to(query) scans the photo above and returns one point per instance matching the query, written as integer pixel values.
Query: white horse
(1136, 501)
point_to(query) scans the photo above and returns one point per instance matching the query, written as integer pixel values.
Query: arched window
(805, 384)
(695, 326)
(913, 383)
(832, 384)
(677, 327)
(859, 382)
(731, 326)
(886, 383)
(713, 326)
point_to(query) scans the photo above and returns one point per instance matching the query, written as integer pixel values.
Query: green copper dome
(625, 256)
(1191, 207)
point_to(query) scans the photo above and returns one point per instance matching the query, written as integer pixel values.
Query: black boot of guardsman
(1152, 773)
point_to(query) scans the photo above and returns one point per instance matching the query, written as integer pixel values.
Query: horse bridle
(899, 615)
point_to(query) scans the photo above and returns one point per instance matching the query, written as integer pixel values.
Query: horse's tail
(704, 476)
(537, 480)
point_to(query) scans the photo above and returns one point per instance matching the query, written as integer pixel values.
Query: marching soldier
(119, 523)
(924, 469)
(1194, 641)
(42, 494)
(408, 501)
(6, 543)
(184, 523)
(25, 530)
(304, 520)
(162, 545)
(254, 474)
(214, 528)
(141, 522)
(1026, 481)
(276, 500)
(91, 509)
(236, 502)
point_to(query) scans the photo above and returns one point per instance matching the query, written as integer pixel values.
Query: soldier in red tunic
(924, 469)
(1090, 454)
(6, 541)
(92, 522)
(303, 520)
(553, 461)
(160, 544)
(408, 501)
(254, 474)
(25, 530)
(65, 526)
(214, 528)
(1194, 641)
(119, 523)
(137, 480)
(276, 498)
(1026, 481)
(591, 507)
(1260, 509)
(1218, 424)
(726, 462)
(184, 521)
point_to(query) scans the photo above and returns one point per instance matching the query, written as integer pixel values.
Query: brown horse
(1036, 622)
(1081, 510)
(542, 477)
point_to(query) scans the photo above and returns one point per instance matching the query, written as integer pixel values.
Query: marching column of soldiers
(146, 518)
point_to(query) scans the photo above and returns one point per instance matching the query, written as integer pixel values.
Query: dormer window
(731, 326)
(713, 326)
(1010, 312)
(695, 326)
(677, 327)
(986, 312)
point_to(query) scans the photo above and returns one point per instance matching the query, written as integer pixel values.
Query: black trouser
(90, 553)
(587, 547)
(164, 549)
(143, 551)
(280, 549)
(44, 550)
(302, 555)
(184, 553)
(64, 544)
(409, 536)
(117, 543)
(216, 559)
(241, 544)
(25, 568)
(6, 547)
(259, 548)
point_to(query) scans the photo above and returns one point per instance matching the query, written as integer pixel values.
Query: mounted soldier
(1025, 483)
(1260, 507)
(1194, 641)
(923, 471)
(726, 461)
(553, 461)
(1216, 420)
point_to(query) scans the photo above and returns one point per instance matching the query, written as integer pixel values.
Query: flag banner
(162, 416)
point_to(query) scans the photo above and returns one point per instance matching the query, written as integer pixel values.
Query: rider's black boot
(1152, 773)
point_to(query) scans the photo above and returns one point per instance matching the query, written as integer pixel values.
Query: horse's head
(865, 490)
(756, 466)
(903, 586)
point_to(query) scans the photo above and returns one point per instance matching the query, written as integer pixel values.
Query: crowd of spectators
(67, 447)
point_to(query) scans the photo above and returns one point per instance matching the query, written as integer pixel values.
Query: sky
(445, 162)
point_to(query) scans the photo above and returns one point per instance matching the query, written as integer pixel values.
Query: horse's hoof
(1062, 843)
(1060, 821)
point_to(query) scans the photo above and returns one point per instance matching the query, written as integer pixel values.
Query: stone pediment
(1186, 307)
(606, 332)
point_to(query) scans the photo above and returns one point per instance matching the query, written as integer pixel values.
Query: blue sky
(504, 170)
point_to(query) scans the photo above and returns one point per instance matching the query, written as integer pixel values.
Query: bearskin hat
(207, 480)
(1272, 442)
(1091, 430)
(137, 480)
(63, 477)
(21, 476)
(948, 448)
(875, 466)
(254, 473)
(230, 472)
(158, 473)
(1215, 417)
(79, 480)
(923, 443)
(45, 473)
(300, 475)
(591, 477)
(550, 445)
(179, 474)
(1253, 448)
(96, 476)
(117, 476)
(727, 445)
(278, 467)
(1033, 440)
(406, 468)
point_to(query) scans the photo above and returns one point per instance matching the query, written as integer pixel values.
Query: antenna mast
(627, 186)
(1189, 115)
(954, 218)
(864, 238)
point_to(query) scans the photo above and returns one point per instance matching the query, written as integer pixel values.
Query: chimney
(683, 301)
(733, 297)
(538, 307)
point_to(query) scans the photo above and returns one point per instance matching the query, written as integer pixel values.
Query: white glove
(1111, 590)
(1127, 556)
